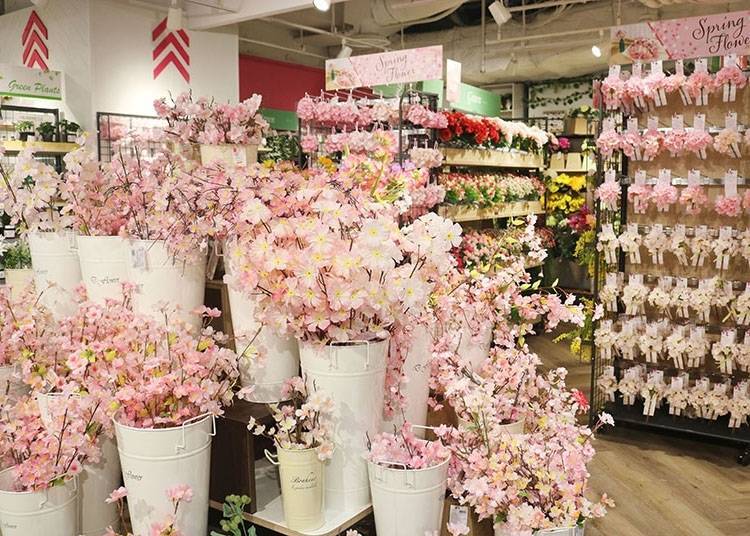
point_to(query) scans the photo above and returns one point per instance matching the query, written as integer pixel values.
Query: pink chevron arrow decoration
(171, 47)
(35, 50)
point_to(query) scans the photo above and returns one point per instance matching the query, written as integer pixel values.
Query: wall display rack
(645, 384)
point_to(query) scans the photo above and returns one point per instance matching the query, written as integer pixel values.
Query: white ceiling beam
(249, 10)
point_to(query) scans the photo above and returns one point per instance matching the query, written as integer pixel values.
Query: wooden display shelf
(270, 512)
(42, 147)
(491, 158)
(459, 213)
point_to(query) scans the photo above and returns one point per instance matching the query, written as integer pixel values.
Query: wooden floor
(663, 485)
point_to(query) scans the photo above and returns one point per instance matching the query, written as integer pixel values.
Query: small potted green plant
(17, 264)
(69, 130)
(47, 131)
(25, 129)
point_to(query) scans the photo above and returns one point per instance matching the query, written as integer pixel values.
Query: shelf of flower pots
(491, 158)
(270, 512)
(462, 213)
(41, 147)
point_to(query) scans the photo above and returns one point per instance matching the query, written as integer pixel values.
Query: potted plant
(16, 260)
(408, 478)
(69, 130)
(304, 440)
(25, 129)
(47, 131)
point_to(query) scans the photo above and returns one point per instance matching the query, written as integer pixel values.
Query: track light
(174, 16)
(322, 5)
(345, 51)
(596, 51)
(499, 12)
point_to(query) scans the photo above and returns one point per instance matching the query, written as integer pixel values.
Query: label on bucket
(138, 258)
(309, 481)
(459, 516)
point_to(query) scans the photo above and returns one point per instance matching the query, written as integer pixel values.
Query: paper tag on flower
(611, 277)
(657, 66)
(728, 336)
(730, 60)
(640, 177)
(665, 177)
(699, 122)
(682, 282)
(138, 258)
(638, 69)
(725, 233)
(653, 123)
(676, 383)
(679, 67)
(730, 120)
(633, 125)
(459, 516)
(739, 391)
(239, 155)
(632, 228)
(701, 65)
(730, 183)
(636, 279)
(608, 124)
(666, 282)
(678, 122)
(609, 370)
(609, 175)
(614, 70)
(694, 177)
(656, 376)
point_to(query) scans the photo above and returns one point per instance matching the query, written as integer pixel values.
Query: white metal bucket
(354, 376)
(57, 271)
(475, 352)
(301, 476)
(281, 360)
(229, 154)
(155, 459)
(103, 267)
(407, 502)
(417, 389)
(96, 482)
(569, 531)
(50, 512)
(160, 279)
(10, 379)
(18, 280)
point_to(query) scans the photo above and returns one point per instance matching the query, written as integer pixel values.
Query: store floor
(663, 486)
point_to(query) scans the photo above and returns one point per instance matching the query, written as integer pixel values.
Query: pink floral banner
(400, 66)
(694, 37)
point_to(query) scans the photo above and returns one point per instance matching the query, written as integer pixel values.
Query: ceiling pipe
(313, 29)
(281, 47)
(546, 35)
(543, 5)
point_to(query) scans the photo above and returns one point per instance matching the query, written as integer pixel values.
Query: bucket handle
(73, 242)
(218, 249)
(181, 445)
(270, 457)
(46, 492)
(333, 356)
(409, 476)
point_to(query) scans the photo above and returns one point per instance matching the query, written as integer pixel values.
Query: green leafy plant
(69, 126)
(281, 148)
(17, 256)
(25, 126)
(47, 131)
(233, 523)
(581, 337)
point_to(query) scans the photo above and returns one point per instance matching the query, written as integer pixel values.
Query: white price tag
(730, 60)
(138, 257)
(640, 177)
(633, 125)
(608, 124)
(694, 177)
(730, 121)
(459, 516)
(701, 65)
(678, 123)
(614, 70)
(239, 155)
(730, 183)
(653, 123)
(699, 122)
(679, 67)
(657, 66)
(665, 176)
(609, 175)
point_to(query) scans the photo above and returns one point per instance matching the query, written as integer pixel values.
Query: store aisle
(663, 486)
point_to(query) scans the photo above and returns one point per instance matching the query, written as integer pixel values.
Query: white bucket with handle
(161, 280)
(353, 374)
(11, 383)
(417, 388)
(475, 350)
(407, 502)
(18, 280)
(57, 271)
(50, 512)
(302, 477)
(156, 459)
(281, 353)
(96, 481)
(229, 154)
(103, 267)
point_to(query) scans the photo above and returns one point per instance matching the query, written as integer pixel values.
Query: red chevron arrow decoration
(35, 51)
(177, 44)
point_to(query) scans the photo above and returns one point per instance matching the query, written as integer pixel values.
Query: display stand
(712, 170)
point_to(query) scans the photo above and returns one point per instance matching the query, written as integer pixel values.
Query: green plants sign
(19, 81)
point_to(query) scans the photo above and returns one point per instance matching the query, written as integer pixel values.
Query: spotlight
(174, 16)
(499, 12)
(322, 5)
(596, 51)
(345, 51)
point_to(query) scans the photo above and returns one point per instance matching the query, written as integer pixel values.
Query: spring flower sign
(694, 37)
(397, 67)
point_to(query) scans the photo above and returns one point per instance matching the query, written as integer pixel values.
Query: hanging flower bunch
(29, 192)
(207, 122)
(305, 422)
(490, 189)
(48, 450)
